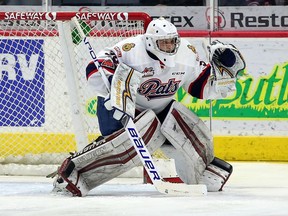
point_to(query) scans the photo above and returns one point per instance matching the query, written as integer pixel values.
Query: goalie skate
(59, 187)
(69, 181)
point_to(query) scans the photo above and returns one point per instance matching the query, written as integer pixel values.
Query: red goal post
(46, 110)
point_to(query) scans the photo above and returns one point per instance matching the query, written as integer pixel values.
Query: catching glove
(226, 62)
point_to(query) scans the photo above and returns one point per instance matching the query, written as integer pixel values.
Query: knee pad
(192, 141)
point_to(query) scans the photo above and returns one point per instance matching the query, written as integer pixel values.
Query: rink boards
(248, 125)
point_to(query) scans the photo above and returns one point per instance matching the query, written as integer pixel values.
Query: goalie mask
(162, 40)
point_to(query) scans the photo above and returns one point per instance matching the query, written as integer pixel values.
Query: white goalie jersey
(158, 83)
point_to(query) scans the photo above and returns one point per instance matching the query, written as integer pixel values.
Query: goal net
(45, 108)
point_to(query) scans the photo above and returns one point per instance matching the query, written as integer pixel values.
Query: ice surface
(253, 189)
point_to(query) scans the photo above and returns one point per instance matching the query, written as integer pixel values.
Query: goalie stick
(137, 142)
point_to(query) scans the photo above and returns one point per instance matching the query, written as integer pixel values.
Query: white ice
(254, 189)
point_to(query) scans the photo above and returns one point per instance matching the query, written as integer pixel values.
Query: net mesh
(36, 114)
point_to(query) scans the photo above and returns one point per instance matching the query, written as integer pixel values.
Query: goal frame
(60, 18)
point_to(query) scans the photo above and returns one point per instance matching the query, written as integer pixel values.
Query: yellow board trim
(251, 148)
(36, 143)
(231, 148)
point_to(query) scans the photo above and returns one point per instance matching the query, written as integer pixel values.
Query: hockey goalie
(163, 62)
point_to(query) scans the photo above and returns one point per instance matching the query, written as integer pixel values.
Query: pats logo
(154, 88)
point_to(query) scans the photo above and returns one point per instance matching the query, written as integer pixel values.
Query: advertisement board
(22, 85)
(254, 117)
(197, 17)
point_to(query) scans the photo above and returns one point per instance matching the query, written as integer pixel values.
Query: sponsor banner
(195, 18)
(22, 83)
(262, 98)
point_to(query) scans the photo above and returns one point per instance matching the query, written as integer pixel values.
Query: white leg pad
(192, 141)
(102, 161)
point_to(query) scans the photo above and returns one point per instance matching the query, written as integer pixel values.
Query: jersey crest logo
(128, 46)
(148, 72)
(155, 89)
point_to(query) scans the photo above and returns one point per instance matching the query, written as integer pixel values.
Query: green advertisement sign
(264, 97)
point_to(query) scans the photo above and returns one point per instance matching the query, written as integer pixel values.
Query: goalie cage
(45, 109)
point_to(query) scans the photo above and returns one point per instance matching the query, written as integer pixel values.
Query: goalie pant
(189, 144)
